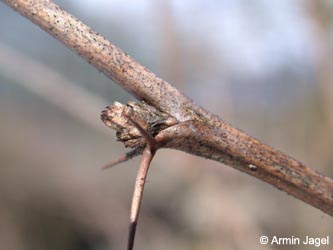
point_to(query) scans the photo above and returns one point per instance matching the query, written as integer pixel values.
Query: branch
(196, 130)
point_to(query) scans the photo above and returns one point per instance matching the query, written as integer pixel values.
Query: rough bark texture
(193, 129)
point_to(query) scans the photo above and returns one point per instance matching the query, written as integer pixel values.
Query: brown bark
(195, 131)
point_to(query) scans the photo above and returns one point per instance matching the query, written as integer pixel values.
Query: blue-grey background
(264, 66)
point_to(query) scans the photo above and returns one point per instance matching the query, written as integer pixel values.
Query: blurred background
(264, 66)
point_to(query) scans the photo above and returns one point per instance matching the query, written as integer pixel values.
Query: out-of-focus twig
(51, 86)
(320, 12)
(171, 51)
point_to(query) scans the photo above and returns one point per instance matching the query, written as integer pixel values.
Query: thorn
(140, 181)
(147, 156)
(129, 155)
